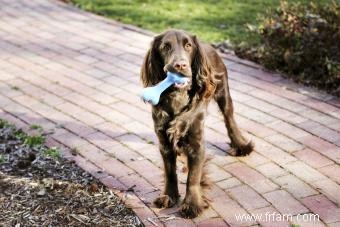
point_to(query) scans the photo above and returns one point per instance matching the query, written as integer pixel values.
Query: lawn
(211, 20)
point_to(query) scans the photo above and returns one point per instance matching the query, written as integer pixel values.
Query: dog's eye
(187, 46)
(167, 47)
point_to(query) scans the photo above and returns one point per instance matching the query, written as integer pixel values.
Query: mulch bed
(40, 190)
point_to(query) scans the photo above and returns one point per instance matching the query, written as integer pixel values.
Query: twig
(152, 222)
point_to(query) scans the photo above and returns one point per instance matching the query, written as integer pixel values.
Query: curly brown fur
(179, 116)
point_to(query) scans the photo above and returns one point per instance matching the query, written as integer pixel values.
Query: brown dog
(179, 116)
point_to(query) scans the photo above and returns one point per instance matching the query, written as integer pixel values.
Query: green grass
(52, 152)
(15, 88)
(2, 159)
(5, 124)
(211, 20)
(33, 141)
(36, 127)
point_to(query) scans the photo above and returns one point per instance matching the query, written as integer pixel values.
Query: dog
(179, 116)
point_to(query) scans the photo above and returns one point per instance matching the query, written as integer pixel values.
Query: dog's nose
(180, 65)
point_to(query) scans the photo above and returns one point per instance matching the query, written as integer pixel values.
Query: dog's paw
(192, 210)
(241, 150)
(165, 201)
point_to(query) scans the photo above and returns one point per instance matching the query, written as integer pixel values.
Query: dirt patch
(40, 188)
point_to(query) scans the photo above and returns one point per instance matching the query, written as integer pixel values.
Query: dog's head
(179, 52)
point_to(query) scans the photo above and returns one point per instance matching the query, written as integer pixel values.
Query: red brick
(287, 116)
(251, 177)
(123, 153)
(116, 117)
(137, 184)
(69, 109)
(247, 197)
(113, 183)
(86, 59)
(320, 130)
(261, 105)
(78, 128)
(215, 192)
(295, 186)
(216, 173)
(101, 140)
(89, 118)
(240, 97)
(304, 171)
(285, 203)
(284, 143)
(219, 157)
(179, 222)
(312, 158)
(141, 130)
(320, 205)
(322, 146)
(269, 217)
(207, 214)
(144, 214)
(78, 99)
(219, 140)
(273, 153)
(329, 188)
(320, 106)
(271, 170)
(334, 224)
(228, 208)
(89, 167)
(132, 141)
(288, 130)
(103, 98)
(97, 73)
(110, 129)
(70, 140)
(332, 171)
(152, 153)
(114, 167)
(92, 153)
(4, 101)
(132, 111)
(216, 222)
(253, 160)
(148, 170)
(228, 183)
(308, 219)
(264, 95)
(258, 116)
(255, 128)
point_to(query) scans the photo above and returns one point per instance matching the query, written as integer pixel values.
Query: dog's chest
(170, 105)
(176, 101)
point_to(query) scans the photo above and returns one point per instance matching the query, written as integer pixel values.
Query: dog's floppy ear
(200, 67)
(152, 69)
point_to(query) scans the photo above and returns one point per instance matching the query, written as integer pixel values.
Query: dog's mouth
(184, 85)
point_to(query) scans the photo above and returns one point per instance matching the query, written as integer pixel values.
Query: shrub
(303, 41)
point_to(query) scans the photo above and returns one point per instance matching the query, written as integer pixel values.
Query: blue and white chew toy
(152, 94)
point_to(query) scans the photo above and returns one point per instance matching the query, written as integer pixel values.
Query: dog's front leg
(170, 195)
(194, 202)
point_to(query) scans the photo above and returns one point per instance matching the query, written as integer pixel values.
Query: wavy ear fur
(200, 68)
(152, 69)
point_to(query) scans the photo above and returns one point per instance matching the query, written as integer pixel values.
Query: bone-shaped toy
(152, 94)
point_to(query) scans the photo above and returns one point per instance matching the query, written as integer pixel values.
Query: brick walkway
(77, 75)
